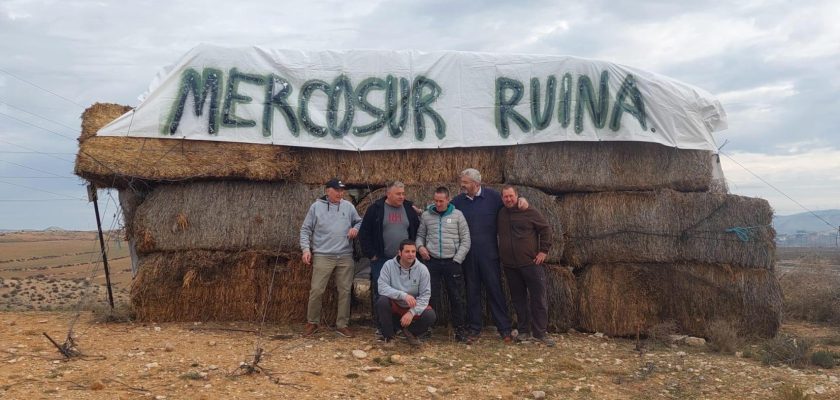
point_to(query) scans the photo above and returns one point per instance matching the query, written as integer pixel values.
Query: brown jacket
(522, 234)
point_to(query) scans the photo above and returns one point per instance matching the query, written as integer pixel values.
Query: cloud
(810, 178)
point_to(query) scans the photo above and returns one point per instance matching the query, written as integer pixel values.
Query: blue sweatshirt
(481, 212)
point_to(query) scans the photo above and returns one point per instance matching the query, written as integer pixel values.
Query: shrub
(786, 349)
(723, 337)
(823, 359)
(791, 392)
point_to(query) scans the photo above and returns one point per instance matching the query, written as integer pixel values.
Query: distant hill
(54, 229)
(807, 222)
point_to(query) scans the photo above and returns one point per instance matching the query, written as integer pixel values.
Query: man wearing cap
(325, 236)
(387, 222)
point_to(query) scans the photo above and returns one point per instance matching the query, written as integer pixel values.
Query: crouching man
(404, 291)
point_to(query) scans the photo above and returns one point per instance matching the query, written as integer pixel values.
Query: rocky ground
(189, 360)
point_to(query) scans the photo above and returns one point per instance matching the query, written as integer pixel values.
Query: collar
(476, 195)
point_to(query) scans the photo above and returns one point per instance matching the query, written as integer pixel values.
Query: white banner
(378, 100)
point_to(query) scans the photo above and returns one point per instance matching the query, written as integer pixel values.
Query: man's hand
(410, 300)
(424, 253)
(540, 258)
(406, 319)
(522, 203)
(307, 257)
(418, 210)
(352, 233)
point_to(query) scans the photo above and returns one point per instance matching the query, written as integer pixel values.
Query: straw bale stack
(562, 167)
(667, 226)
(625, 299)
(224, 215)
(224, 286)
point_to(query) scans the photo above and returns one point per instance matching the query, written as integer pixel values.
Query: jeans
(450, 274)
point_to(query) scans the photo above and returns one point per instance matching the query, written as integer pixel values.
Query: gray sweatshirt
(395, 282)
(324, 230)
(445, 234)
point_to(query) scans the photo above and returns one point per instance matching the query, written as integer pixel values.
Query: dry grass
(99, 115)
(224, 286)
(723, 337)
(812, 294)
(607, 166)
(232, 216)
(629, 299)
(666, 226)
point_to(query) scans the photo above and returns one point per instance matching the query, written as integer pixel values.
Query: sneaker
(425, 335)
(412, 340)
(378, 335)
(309, 329)
(547, 341)
(387, 343)
(523, 337)
(345, 332)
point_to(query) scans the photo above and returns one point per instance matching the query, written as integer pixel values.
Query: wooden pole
(94, 198)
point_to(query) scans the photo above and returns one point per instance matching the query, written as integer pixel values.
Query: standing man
(405, 289)
(524, 241)
(387, 222)
(325, 236)
(443, 240)
(481, 206)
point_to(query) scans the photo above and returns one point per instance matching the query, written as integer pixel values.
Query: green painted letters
(199, 85)
(505, 105)
(422, 105)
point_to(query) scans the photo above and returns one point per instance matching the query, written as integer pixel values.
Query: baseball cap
(335, 183)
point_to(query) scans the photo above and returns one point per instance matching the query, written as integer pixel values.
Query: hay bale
(417, 166)
(113, 161)
(667, 226)
(629, 299)
(423, 194)
(224, 286)
(99, 115)
(563, 167)
(228, 215)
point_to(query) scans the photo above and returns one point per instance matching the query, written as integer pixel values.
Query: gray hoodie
(395, 282)
(324, 230)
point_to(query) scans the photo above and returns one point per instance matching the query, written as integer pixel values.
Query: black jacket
(370, 234)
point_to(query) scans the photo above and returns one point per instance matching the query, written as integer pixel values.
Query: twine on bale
(744, 232)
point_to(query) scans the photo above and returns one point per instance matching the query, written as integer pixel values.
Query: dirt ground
(202, 361)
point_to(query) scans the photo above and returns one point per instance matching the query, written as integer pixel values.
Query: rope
(744, 232)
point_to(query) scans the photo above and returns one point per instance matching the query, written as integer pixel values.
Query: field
(46, 277)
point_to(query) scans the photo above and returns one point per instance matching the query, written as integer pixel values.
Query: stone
(695, 341)
(396, 359)
(677, 338)
(680, 354)
(431, 389)
(819, 389)
(97, 385)
(360, 354)
(538, 394)
(390, 379)
(152, 365)
(371, 369)
(157, 329)
(168, 347)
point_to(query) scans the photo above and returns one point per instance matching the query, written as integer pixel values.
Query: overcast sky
(775, 66)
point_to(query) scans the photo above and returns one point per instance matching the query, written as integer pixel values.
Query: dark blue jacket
(370, 235)
(481, 213)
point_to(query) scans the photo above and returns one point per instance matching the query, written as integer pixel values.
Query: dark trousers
(524, 283)
(375, 270)
(447, 273)
(483, 270)
(390, 312)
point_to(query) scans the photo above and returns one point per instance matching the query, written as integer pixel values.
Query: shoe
(345, 332)
(378, 335)
(425, 335)
(547, 341)
(387, 343)
(523, 337)
(399, 335)
(412, 340)
(309, 329)
(508, 339)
